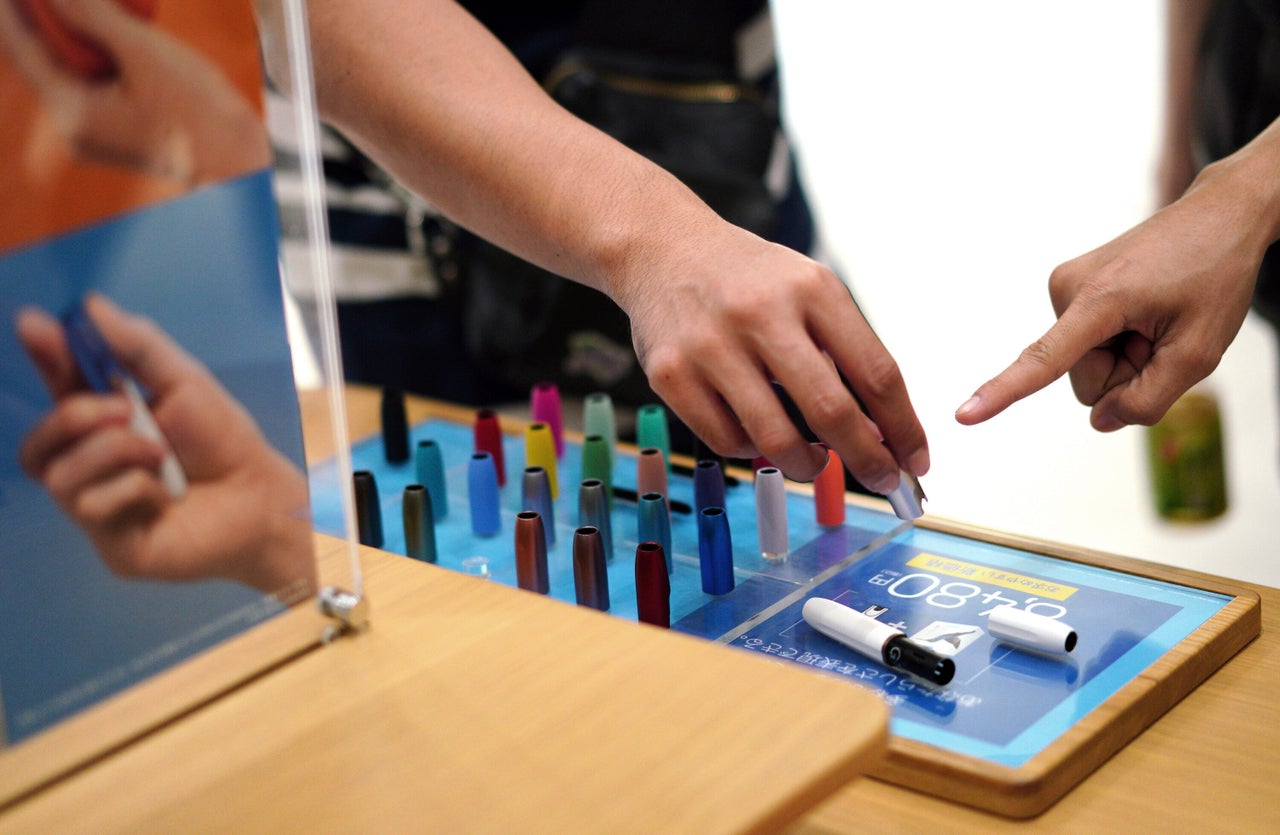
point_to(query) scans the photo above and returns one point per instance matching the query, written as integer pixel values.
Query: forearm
(1184, 26)
(1177, 163)
(443, 106)
(1250, 179)
(716, 312)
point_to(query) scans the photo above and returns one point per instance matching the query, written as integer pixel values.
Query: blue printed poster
(1006, 703)
(152, 496)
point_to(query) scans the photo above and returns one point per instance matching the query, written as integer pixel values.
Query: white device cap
(1024, 629)
(771, 513)
(907, 497)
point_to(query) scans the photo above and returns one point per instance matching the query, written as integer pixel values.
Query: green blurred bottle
(1184, 451)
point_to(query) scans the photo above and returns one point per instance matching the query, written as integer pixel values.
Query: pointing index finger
(1081, 328)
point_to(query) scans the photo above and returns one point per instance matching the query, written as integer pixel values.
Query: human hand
(244, 514)
(166, 111)
(1143, 318)
(714, 326)
(717, 314)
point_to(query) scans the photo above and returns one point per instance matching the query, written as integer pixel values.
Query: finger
(699, 407)
(108, 24)
(715, 424)
(1090, 374)
(873, 429)
(1145, 398)
(772, 432)
(863, 360)
(46, 343)
(1084, 325)
(132, 496)
(1136, 350)
(1104, 369)
(71, 420)
(146, 352)
(735, 372)
(1112, 364)
(833, 414)
(98, 458)
(1128, 357)
(29, 54)
(1102, 417)
(209, 431)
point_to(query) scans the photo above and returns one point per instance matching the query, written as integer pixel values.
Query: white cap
(906, 498)
(1031, 631)
(771, 513)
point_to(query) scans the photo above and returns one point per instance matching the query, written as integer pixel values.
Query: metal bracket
(350, 611)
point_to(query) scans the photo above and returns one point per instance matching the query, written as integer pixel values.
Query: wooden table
(466, 706)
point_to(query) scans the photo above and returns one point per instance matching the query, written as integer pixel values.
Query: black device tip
(918, 660)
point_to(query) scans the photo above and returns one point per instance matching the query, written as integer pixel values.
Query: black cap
(903, 653)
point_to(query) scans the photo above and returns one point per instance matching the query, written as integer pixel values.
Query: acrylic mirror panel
(152, 497)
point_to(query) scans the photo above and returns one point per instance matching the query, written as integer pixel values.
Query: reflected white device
(104, 374)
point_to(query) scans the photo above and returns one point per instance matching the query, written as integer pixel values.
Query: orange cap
(828, 492)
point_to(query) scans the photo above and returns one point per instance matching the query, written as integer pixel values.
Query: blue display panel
(1004, 705)
(80, 633)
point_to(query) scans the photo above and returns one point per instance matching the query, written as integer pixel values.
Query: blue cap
(97, 364)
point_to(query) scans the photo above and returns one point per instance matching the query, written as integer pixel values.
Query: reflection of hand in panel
(243, 516)
(146, 101)
(70, 49)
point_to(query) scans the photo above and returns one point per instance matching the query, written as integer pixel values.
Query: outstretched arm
(716, 313)
(1176, 166)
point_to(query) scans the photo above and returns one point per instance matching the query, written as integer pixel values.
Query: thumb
(106, 22)
(1079, 329)
(42, 337)
(19, 41)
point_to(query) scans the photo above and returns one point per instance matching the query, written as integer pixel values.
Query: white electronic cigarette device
(103, 373)
(877, 640)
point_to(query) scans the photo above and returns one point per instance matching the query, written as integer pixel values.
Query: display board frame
(1034, 786)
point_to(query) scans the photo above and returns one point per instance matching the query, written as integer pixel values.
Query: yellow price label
(992, 576)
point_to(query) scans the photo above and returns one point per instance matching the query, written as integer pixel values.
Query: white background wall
(956, 153)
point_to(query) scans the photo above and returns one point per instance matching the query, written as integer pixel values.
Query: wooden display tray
(1031, 789)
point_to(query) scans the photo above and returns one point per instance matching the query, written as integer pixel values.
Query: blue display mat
(1005, 705)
